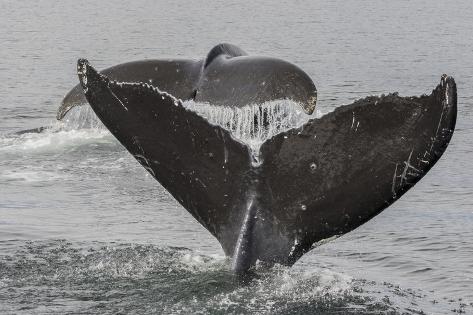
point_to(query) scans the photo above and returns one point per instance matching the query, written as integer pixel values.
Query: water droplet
(303, 207)
(313, 167)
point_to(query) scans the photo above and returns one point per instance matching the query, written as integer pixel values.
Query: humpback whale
(313, 182)
(226, 76)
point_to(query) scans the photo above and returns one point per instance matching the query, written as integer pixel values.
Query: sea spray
(81, 117)
(79, 127)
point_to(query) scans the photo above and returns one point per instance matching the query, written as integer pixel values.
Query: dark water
(84, 228)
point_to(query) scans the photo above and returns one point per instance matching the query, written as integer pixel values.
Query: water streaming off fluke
(254, 124)
(81, 117)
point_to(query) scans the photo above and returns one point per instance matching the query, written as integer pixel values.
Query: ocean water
(84, 228)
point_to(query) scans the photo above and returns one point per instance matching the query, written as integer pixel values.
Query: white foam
(53, 139)
(310, 283)
(33, 175)
(282, 287)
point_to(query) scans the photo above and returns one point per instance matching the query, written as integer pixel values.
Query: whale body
(226, 76)
(317, 181)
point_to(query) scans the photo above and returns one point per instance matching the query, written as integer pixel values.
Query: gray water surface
(84, 228)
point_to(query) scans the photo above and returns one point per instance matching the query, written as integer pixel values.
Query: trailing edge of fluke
(314, 182)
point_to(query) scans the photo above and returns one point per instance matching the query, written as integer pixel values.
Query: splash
(81, 117)
(79, 127)
(117, 276)
(254, 124)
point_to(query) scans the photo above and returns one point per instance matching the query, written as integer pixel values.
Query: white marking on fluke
(393, 188)
(407, 165)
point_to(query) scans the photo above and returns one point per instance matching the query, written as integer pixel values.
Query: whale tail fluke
(317, 181)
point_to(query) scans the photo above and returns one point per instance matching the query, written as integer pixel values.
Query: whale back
(224, 49)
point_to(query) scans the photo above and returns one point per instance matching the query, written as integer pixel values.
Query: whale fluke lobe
(349, 165)
(195, 161)
(312, 182)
